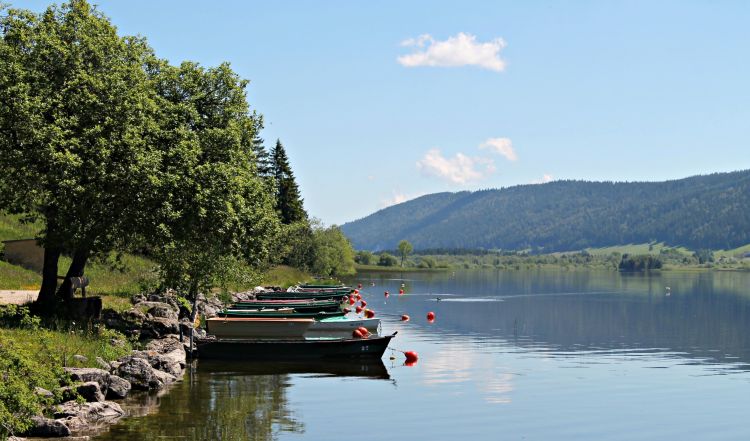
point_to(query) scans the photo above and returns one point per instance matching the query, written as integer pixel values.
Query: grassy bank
(33, 355)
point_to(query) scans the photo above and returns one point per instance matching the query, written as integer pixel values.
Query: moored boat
(272, 313)
(292, 349)
(308, 295)
(299, 305)
(344, 324)
(255, 327)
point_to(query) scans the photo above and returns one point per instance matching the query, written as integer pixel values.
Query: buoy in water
(364, 331)
(400, 291)
(411, 356)
(347, 310)
(405, 318)
(386, 294)
(359, 286)
(358, 309)
(356, 291)
(363, 303)
(351, 300)
(430, 316)
(369, 313)
(357, 334)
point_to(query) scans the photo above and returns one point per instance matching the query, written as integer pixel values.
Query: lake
(517, 355)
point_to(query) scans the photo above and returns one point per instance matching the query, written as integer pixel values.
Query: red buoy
(369, 313)
(359, 286)
(351, 300)
(359, 296)
(358, 309)
(357, 334)
(386, 294)
(405, 318)
(411, 356)
(430, 316)
(363, 303)
(364, 331)
(400, 291)
(347, 310)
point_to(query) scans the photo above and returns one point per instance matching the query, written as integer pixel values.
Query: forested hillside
(707, 211)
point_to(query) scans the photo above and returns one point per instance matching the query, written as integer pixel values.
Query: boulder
(42, 392)
(89, 391)
(158, 327)
(47, 428)
(85, 375)
(118, 387)
(171, 348)
(80, 358)
(78, 416)
(103, 364)
(139, 373)
(163, 310)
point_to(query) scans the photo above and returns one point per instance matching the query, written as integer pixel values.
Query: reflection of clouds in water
(497, 388)
(452, 364)
(455, 364)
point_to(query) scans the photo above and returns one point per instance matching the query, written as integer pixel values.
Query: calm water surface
(522, 355)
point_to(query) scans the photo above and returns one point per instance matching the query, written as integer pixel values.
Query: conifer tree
(288, 200)
(263, 161)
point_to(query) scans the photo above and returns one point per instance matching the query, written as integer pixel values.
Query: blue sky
(493, 94)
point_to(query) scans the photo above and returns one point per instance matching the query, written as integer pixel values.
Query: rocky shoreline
(162, 324)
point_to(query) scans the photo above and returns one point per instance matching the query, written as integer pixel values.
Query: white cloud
(503, 146)
(546, 178)
(461, 50)
(460, 169)
(397, 198)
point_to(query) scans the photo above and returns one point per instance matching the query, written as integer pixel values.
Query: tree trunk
(49, 277)
(80, 257)
(193, 313)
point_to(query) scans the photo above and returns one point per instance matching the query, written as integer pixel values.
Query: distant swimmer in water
(437, 299)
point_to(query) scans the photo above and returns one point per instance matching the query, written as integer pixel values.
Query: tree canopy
(288, 199)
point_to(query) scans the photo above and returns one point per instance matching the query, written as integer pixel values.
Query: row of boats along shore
(304, 323)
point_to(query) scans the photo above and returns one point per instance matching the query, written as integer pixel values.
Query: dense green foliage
(404, 249)
(639, 263)
(288, 200)
(334, 255)
(711, 211)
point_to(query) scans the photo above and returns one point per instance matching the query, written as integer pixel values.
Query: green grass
(11, 228)
(734, 253)
(637, 249)
(285, 276)
(16, 277)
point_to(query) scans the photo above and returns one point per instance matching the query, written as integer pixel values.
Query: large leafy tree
(288, 200)
(219, 217)
(404, 249)
(76, 120)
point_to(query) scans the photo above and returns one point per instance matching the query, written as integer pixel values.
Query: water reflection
(705, 317)
(230, 401)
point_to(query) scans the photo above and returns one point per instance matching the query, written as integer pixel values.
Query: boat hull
(242, 327)
(293, 349)
(341, 324)
(299, 305)
(315, 295)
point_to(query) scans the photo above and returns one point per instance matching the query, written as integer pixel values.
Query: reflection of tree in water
(216, 406)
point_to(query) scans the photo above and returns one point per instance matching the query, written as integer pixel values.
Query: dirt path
(17, 296)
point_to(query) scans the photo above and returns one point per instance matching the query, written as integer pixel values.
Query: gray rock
(89, 391)
(42, 392)
(163, 310)
(158, 327)
(80, 358)
(79, 416)
(85, 375)
(47, 428)
(118, 387)
(171, 348)
(164, 377)
(139, 373)
(103, 364)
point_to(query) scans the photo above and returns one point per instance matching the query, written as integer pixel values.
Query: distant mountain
(707, 211)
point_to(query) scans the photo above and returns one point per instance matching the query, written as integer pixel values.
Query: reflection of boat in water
(293, 349)
(372, 368)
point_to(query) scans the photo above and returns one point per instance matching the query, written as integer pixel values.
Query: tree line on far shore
(113, 149)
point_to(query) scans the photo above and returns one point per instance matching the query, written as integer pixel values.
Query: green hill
(706, 211)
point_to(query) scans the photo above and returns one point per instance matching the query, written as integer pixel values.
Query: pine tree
(288, 200)
(263, 161)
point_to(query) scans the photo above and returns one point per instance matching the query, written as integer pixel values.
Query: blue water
(520, 355)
